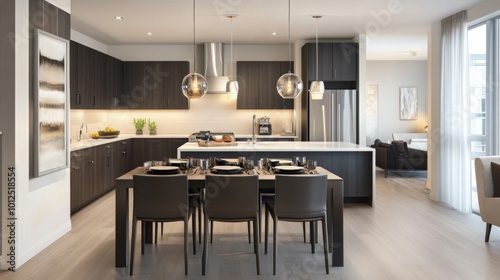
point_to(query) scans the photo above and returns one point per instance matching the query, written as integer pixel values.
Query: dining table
(196, 181)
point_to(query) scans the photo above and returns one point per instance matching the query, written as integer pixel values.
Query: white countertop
(279, 146)
(89, 142)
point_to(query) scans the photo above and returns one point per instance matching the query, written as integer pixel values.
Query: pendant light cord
(231, 68)
(289, 46)
(194, 35)
(317, 49)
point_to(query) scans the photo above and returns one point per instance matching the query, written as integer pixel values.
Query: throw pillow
(401, 148)
(495, 172)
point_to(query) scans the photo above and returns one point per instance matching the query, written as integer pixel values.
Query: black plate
(235, 171)
(289, 172)
(163, 172)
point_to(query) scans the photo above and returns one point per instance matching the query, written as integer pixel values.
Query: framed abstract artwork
(50, 108)
(408, 103)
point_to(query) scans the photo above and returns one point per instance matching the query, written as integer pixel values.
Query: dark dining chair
(298, 199)
(161, 198)
(231, 198)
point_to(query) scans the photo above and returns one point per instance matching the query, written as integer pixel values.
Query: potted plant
(152, 126)
(139, 125)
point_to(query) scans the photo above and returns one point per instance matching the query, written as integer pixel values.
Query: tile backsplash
(213, 112)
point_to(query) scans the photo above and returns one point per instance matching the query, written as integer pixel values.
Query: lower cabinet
(146, 149)
(94, 170)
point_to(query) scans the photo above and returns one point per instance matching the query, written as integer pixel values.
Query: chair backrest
(160, 196)
(301, 196)
(231, 196)
(484, 178)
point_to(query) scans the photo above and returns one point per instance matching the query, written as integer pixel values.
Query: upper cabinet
(99, 81)
(257, 85)
(154, 84)
(336, 61)
(95, 78)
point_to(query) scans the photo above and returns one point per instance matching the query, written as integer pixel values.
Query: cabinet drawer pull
(124, 152)
(76, 167)
(124, 143)
(77, 99)
(94, 100)
(91, 162)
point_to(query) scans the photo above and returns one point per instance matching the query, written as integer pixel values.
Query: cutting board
(205, 143)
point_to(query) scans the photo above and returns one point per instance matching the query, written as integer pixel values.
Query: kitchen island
(354, 163)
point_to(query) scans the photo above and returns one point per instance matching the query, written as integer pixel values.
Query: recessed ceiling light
(149, 33)
(274, 33)
(119, 17)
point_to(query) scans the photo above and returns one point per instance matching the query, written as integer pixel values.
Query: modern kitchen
(145, 94)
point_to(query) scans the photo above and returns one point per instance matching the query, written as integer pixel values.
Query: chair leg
(161, 228)
(488, 230)
(312, 226)
(186, 222)
(194, 230)
(256, 242)
(249, 238)
(266, 230)
(275, 243)
(156, 232)
(199, 220)
(304, 231)
(132, 246)
(211, 231)
(325, 244)
(205, 245)
(143, 238)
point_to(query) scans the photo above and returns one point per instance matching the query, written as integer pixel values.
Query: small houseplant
(152, 126)
(139, 125)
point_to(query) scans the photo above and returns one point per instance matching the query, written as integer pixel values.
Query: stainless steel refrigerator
(334, 118)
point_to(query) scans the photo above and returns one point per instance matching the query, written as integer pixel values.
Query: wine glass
(311, 165)
(248, 165)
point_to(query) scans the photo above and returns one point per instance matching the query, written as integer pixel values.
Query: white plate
(177, 161)
(226, 168)
(289, 168)
(164, 168)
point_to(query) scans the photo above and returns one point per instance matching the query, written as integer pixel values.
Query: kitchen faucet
(253, 130)
(80, 132)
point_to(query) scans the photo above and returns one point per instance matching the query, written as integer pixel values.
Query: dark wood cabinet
(95, 78)
(155, 84)
(336, 61)
(77, 175)
(105, 170)
(257, 81)
(122, 158)
(146, 149)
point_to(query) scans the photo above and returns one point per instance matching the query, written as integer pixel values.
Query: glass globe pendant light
(232, 84)
(317, 87)
(194, 85)
(289, 85)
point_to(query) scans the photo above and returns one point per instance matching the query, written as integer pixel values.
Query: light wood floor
(407, 236)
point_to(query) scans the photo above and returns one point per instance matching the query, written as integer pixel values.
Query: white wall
(390, 76)
(43, 204)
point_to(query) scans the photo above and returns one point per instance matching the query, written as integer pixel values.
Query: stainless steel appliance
(265, 127)
(334, 117)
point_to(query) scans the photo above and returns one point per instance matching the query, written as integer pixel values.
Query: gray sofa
(398, 157)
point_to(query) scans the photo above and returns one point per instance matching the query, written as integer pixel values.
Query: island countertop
(288, 146)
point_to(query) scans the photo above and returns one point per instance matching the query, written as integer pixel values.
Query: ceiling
(396, 29)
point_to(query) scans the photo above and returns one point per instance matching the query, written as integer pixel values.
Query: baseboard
(44, 243)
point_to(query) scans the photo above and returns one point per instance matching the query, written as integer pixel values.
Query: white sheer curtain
(454, 134)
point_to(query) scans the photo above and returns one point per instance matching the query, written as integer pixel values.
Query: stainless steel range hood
(214, 68)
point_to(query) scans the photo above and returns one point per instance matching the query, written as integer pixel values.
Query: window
(484, 78)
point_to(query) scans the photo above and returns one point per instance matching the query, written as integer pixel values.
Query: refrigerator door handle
(338, 121)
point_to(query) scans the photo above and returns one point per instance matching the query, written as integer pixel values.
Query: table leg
(121, 226)
(336, 221)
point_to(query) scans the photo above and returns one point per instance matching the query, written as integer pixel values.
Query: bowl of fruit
(95, 135)
(109, 131)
